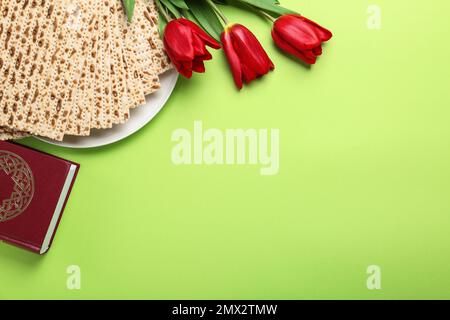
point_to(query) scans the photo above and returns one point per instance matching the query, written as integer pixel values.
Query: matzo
(65, 68)
(146, 47)
(79, 122)
(120, 109)
(161, 60)
(6, 134)
(12, 14)
(134, 83)
(101, 114)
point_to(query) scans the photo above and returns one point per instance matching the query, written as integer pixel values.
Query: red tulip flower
(185, 43)
(300, 37)
(246, 56)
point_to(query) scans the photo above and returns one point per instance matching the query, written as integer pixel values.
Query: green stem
(185, 13)
(218, 11)
(265, 14)
(163, 11)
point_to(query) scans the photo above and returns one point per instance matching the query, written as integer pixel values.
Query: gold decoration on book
(18, 170)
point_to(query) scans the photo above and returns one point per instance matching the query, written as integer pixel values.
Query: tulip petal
(323, 33)
(309, 54)
(298, 33)
(250, 51)
(201, 33)
(233, 59)
(200, 51)
(318, 51)
(198, 66)
(248, 74)
(283, 45)
(178, 41)
(185, 69)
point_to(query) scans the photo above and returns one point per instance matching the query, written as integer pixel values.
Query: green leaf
(163, 14)
(188, 15)
(171, 8)
(180, 4)
(162, 25)
(206, 17)
(230, 2)
(129, 9)
(268, 5)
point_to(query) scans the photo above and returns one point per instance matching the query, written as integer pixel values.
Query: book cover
(34, 188)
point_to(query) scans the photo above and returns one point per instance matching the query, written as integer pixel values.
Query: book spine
(65, 201)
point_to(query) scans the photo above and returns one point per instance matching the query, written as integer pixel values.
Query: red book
(34, 188)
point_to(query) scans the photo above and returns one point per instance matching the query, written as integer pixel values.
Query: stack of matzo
(67, 66)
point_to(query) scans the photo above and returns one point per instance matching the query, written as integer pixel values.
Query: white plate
(138, 119)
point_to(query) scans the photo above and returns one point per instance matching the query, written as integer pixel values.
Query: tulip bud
(185, 44)
(246, 56)
(300, 37)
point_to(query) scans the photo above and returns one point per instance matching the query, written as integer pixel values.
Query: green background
(364, 178)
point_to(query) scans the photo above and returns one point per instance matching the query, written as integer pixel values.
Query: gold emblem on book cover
(18, 170)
